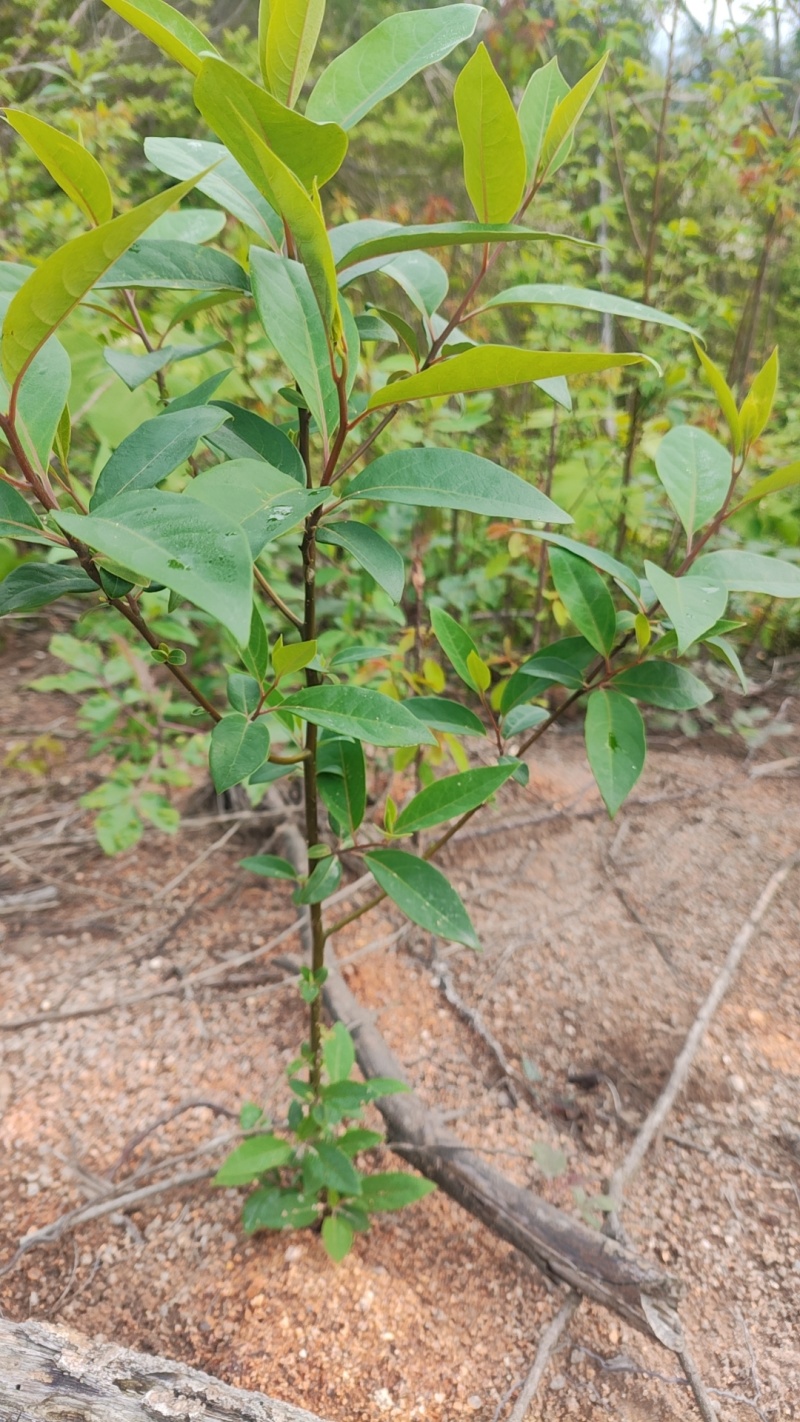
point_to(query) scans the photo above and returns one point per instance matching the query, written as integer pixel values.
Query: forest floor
(600, 941)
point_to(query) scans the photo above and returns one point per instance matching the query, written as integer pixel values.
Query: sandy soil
(600, 941)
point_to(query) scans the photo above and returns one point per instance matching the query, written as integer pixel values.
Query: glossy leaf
(693, 603)
(663, 684)
(395, 238)
(174, 266)
(450, 797)
(586, 598)
(17, 518)
(173, 539)
(456, 644)
(621, 573)
(135, 370)
(227, 183)
(724, 394)
(75, 170)
(696, 473)
(494, 154)
(602, 302)
(393, 1190)
(323, 881)
(247, 434)
(153, 450)
(292, 35)
(423, 894)
(420, 276)
(452, 479)
(615, 745)
(243, 692)
(384, 59)
(253, 1158)
(167, 28)
(442, 714)
(494, 367)
(565, 117)
(337, 1237)
(194, 225)
(238, 747)
(739, 571)
(36, 584)
(292, 320)
(369, 548)
(757, 405)
(564, 662)
(342, 779)
(786, 478)
(358, 712)
(263, 501)
(269, 866)
(546, 87)
(42, 396)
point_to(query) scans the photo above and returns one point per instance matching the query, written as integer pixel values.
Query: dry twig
(547, 1345)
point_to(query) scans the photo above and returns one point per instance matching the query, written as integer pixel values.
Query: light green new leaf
(173, 539)
(494, 154)
(384, 59)
(423, 894)
(395, 238)
(493, 368)
(42, 396)
(692, 604)
(550, 294)
(358, 712)
(337, 1237)
(227, 184)
(238, 747)
(154, 449)
(369, 548)
(254, 1157)
(292, 320)
(75, 170)
(36, 584)
(265, 502)
(546, 87)
(62, 281)
(167, 28)
(739, 571)
(453, 479)
(586, 598)
(17, 519)
(663, 684)
(615, 745)
(786, 478)
(452, 796)
(724, 394)
(456, 644)
(565, 117)
(695, 470)
(227, 100)
(757, 406)
(292, 35)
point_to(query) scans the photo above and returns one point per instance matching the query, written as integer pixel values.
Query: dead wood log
(49, 1373)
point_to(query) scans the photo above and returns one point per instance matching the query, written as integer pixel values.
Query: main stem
(310, 787)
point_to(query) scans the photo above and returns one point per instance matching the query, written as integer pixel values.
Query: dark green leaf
(339, 1172)
(269, 866)
(615, 745)
(663, 684)
(393, 1190)
(397, 238)
(271, 1208)
(692, 603)
(523, 718)
(323, 881)
(369, 548)
(201, 394)
(423, 894)
(291, 317)
(586, 598)
(452, 796)
(443, 715)
(596, 556)
(253, 1158)
(456, 644)
(17, 519)
(244, 692)
(238, 747)
(174, 266)
(35, 584)
(453, 479)
(358, 712)
(247, 434)
(153, 450)
(342, 779)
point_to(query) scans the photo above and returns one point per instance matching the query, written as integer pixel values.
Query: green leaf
(596, 556)
(254, 1157)
(663, 684)
(292, 320)
(494, 368)
(153, 450)
(17, 519)
(167, 28)
(201, 394)
(523, 718)
(246, 434)
(357, 1139)
(393, 1190)
(696, 473)
(338, 1053)
(68, 162)
(135, 370)
(232, 105)
(173, 539)
(443, 715)
(724, 394)
(757, 406)
(42, 396)
(238, 747)
(786, 478)
(373, 328)
(369, 548)
(263, 501)
(269, 866)
(421, 277)
(174, 266)
(323, 881)
(494, 154)
(158, 810)
(395, 238)
(551, 1160)
(602, 302)
(293, 658)
(586, 598)
(342, 779)
(355, 655)
(450, 797)
(340, 1173)
(35, 584)
(546, 87)
(358, 712)
(423, 894)
(227, 184)
(615, 745)
(271, 1208)
(728, 653)
(13, 275)
(385, 58)
(456, 644)
(692, 603)
(187, 224)
(292, 35)
(452, 479)
(399, 327)
(337, 1237)
(565, 117)
(564, 662)
(62, 281)
(249, 1115)
(738, 571)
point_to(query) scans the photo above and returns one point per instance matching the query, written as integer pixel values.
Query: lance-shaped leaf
(564, 662)
(173, 539)
(494, 367)
(695, 470)
(786, 478)
(293, 322)
(663, 684)
(174, 266)
(441, 714)
(724, 394)
(385, 58)
(75, 170)
(692, 603)
(292, 35)
(187, 224)
(264, 501)
(17, 519)
(494, 154)
(247, 434)
(586, 598)
(323, 881)
(452, 796)
(36, 584)
(420, 276)
(739, 571)
(453, 479)
(596, 556)
(615, 745)
(227, 100)
(369, 548)
(460, 234)
(546, 87)
(423, 894)
(565, 117)
(42, 395)
(167, 28)
(393, 1190)
(757, 405)
(550, 294)
(154, 449)
(227, 184)
(360, 713)
(238, 747)
(62, 281)
(342, 779)
(456, 644)
(136, 369)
